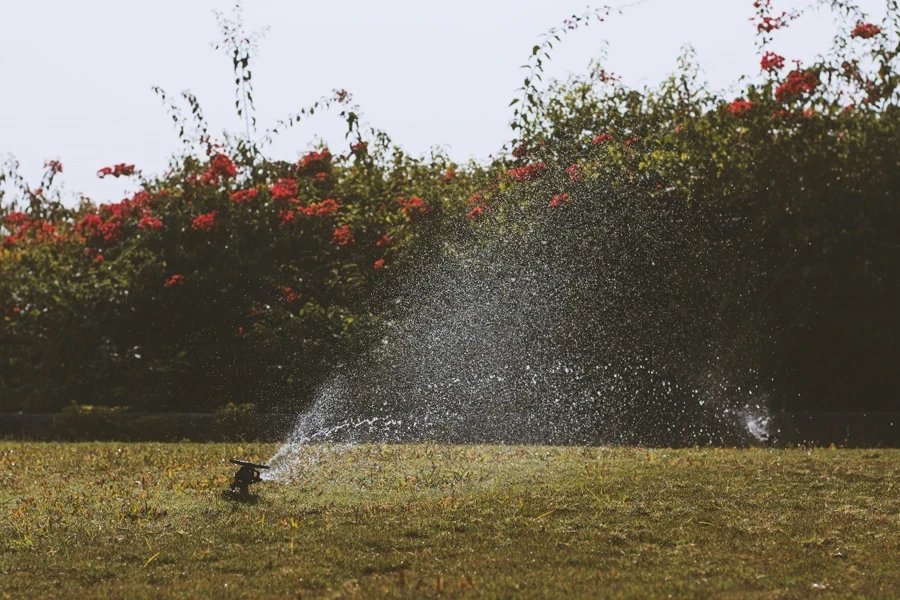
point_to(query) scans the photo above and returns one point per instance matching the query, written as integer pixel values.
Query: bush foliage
(238, 278)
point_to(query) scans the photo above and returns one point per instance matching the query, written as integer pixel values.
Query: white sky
(77, 75)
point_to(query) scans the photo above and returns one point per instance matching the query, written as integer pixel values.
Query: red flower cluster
(98, 260)
(287, 216)
(412, 206)
(321, 209)
(384, 241)
(359, 147)
(320, 177)
(479, 208)
(284, 189)
(205, 222)
(315, 161)
(342, 236)
(631, 141)
(558, 200)
(739, 107)
(797, 83)
(768, 24)
(220, 167)
(528, 172)
(17, 219)
(174, 280)
(244, 196)
(93, 226)
(148, 222)
(450, 174)
(602, 138)
(289, 296)
(574, 173)
(771, 62)
(865, 31)
(520, 151)
(120, 170)
(379, 263)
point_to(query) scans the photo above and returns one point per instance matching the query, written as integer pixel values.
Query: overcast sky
(77, 75)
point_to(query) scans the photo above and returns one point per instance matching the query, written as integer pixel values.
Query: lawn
(417, 521)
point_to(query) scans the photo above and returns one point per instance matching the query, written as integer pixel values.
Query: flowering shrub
(238, 278)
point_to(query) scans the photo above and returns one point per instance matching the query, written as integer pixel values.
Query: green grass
(148, 520)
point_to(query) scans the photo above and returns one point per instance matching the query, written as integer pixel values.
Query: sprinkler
(248, 474)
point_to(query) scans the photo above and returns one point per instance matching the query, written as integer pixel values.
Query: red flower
(320, 160)
(739, 107)
(865, 31)
(679, 128)
(174, 280)
(148, 222)
(321, 177)
(205, 222)
(797, 83)
(328, 206)
(379, 263)
(603, 137)
(16, 219)
(54, 166)
(16, 309)
(528, 172)
(342, 236)
(475, 199)
(558, 200)
(384, 241)
(287, 216)
(283, 189)
(360, 147)
(220, 167)
(450, 174)
(289, 296)
(476, 211)
(520, 151)
(324, 208)
(98, 259)
(239, 331)
(9, 242)
(119, 170)
(244, 196)
(631, 141)
(412, 206)
(771, 62)
(574, 173)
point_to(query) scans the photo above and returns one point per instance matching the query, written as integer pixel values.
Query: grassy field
(419, 521)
